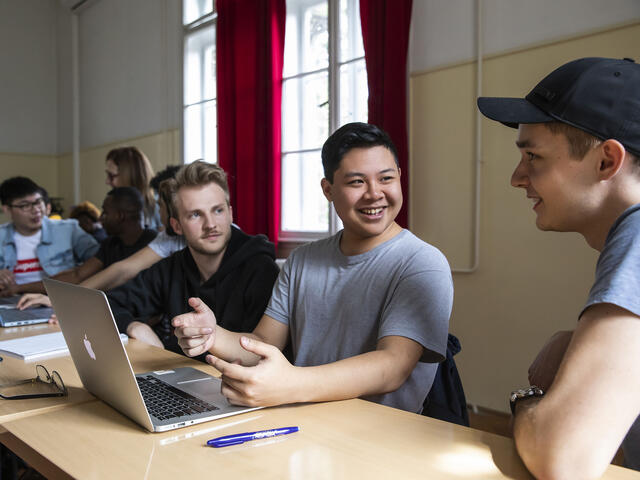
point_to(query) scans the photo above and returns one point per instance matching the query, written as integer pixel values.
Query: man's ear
(175, 224)
(5, 209)
(612, 155)
(231, 212)
(326, 189)
(48, 209)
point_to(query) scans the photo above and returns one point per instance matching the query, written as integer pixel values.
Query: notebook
(158, 401)
(38, 347)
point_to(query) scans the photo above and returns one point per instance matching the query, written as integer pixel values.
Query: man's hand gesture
(272, 381)
(195, 330)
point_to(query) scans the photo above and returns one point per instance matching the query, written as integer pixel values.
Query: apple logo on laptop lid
(87, 345)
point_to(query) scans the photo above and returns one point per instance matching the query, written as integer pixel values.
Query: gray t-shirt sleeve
(278, 307)
(618, 269)
(420, 309)
(164, 245)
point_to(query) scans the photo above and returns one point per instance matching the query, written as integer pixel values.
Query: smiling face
(558, 184)
(367, 196)
(204, 218)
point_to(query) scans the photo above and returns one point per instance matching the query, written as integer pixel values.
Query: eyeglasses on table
(42, 376)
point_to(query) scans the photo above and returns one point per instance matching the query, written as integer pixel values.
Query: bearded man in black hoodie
(232, 272)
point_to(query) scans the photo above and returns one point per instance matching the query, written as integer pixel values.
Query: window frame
(204, 21)
(333, 69)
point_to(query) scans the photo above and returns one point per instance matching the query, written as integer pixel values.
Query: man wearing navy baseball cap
(579, 142)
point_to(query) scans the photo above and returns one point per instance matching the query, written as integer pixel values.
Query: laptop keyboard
(164, 401)
(15, 315)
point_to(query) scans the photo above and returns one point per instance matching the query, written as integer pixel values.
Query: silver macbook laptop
(10, 316)
(160, 400)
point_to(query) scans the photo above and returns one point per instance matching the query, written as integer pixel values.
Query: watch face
(531, 391)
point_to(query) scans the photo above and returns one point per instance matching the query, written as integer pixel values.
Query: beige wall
(529, 283)
(55, 173)
(162, 149)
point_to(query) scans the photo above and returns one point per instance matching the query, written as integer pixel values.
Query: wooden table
(85, 438)
(347, 439)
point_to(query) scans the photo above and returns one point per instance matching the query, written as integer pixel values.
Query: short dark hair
(128, 200)
(348, 137)
(162, 175)
(18, 187)
(580, 142)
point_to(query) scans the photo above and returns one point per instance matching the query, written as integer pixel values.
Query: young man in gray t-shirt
(578, 134)
(366, 311)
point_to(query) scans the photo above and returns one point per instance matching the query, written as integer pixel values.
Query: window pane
(350, 41)
(305, 112)
(200, 66)
(194, 9)
(354, 92)
(192, 133)
(304, 207)
(306, 36)
(200, 132)
(210, 124)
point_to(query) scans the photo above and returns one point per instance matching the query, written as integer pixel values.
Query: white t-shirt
(165, 244)
(28, 268)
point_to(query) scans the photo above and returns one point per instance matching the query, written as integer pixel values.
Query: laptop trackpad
(196, 383)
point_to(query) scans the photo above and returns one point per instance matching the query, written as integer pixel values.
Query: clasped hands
(271, 381)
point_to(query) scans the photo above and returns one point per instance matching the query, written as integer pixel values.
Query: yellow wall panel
(529, 283)
(55, 173)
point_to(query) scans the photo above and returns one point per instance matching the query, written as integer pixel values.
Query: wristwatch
(528, 392)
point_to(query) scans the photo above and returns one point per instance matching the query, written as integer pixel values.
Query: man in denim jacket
(31, 245)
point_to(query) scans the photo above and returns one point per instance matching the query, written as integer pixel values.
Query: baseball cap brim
(512, 111)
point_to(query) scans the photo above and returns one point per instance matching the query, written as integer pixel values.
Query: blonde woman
(129, 167)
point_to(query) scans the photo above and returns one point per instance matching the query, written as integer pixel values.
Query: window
(199, 127)
(324, 87)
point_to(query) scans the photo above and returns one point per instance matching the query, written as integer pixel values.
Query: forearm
(226, 345)
(370, 373)
(33, 287)
(547, 441)
(111, 277)
(69, 276)
(121, 272)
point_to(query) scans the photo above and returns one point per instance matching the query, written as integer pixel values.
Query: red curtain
(249, 57)
(385, 34)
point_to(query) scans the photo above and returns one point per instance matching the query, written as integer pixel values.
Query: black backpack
(446, 400)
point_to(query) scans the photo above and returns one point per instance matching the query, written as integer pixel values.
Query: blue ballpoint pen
(239, 438)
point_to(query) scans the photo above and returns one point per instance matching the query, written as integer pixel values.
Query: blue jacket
(63, 246)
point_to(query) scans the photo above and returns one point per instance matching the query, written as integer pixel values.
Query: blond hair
(135, 171)
(197, 174)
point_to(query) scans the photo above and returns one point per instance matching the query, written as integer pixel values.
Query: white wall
(28, 78)
(130, 69)
(444, 31)
(65, 87)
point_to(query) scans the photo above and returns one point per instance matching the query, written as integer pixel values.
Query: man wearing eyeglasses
(31, 245)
